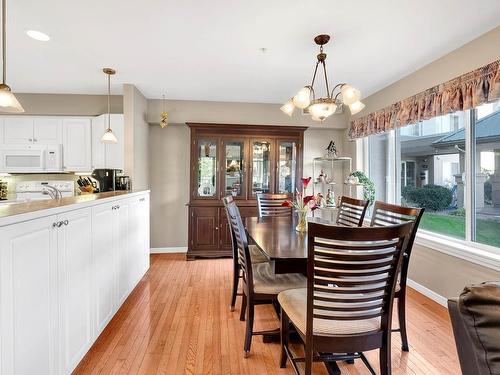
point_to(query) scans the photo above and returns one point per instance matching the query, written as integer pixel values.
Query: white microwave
(30, 158)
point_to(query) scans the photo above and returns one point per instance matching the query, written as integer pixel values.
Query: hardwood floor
(177, 321)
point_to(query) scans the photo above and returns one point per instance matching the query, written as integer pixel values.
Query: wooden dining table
(277, 238)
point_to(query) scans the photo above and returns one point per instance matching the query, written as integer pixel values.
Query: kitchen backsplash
(12, 180)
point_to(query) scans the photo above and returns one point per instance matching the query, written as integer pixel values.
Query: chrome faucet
(53, 192)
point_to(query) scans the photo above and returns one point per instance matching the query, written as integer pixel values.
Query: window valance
(467, 91)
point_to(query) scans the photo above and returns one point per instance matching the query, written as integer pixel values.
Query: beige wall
(69, 104)
(169, 155)
(477, 53)
(182, 111)
(136, 137)
(443, 274)
(169, 169)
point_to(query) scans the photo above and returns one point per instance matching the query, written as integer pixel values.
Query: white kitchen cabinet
(77, 145)
(63, 277)
(47, 130)
(104, 265)
(75, 287)
(108, 155)
(121, 238)
(18, 130)
(139, 237)
(98, 148)
(28, 297)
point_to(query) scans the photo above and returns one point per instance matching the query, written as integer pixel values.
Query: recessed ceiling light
(38, 35)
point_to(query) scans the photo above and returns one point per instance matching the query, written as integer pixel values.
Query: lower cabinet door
(104, 265)
(28, 298)
(138, 233)
(75, 287)
(204, 229)
(122, 250)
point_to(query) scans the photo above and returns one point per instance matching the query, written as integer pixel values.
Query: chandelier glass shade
(324, 107)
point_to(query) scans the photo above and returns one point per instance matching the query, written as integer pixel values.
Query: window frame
(467, 249)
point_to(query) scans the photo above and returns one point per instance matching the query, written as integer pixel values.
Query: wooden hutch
(241, 160)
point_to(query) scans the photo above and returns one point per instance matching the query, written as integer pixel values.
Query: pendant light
(164, 113)
(109, 136)
(8, 102)
(322, 108)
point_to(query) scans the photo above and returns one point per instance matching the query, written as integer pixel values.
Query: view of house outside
(430, 159)
(433, 170)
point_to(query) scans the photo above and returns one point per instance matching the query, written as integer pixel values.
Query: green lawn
(488, 231)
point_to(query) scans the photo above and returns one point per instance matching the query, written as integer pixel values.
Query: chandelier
(321, 108)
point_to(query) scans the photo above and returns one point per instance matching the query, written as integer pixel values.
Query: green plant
(368, 186)
(460, 212)
(432, 197)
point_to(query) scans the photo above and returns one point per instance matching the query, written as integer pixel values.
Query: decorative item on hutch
(322, 108)
(302, 204)
(331, 150)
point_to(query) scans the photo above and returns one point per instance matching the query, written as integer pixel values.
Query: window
(485, 162)
(381, 170)
(436, 154)
(450, 165)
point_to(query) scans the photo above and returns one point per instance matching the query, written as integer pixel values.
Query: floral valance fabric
(467, 91)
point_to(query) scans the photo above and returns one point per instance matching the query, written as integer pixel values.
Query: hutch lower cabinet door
(237, 160)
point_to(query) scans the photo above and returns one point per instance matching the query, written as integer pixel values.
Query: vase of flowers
(302, 203)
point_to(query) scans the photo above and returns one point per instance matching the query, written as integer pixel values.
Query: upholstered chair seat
(257, 255)
(294, 302)
(265, 281)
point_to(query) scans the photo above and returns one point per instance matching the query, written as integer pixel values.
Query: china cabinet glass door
(233, 157)
(286, 167)
(261, 167)
(207, 168)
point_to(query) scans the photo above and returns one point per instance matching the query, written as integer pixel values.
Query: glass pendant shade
(8, 102)
(303, 98)
(288, 107)
(356, 107)
(109, 137)
(350, 94)
(322, 108)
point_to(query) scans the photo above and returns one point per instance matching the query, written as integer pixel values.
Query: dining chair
(352, 211)
(260, 284)
(272, 205)
(347, 305)
(255, 253)
(389, 214)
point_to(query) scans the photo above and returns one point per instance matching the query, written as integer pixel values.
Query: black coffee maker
(106, 178)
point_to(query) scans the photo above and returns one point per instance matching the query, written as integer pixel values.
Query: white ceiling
(211, 50)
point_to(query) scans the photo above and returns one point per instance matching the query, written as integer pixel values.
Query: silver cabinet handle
(35, 140)
(60, 224)
(30, 139)
(66, 222)
(54, 225)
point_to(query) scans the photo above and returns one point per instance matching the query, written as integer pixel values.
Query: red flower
(286, 204)
(312, 205)
(305, 182)
(308, 198)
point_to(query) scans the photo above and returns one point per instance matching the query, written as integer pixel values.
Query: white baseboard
(168, 250)
(443, 301)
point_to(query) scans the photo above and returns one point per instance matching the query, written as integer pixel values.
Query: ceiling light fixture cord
(4, 41)
(109, 101)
